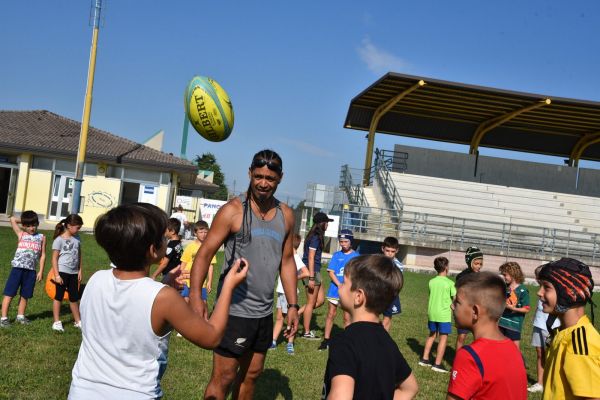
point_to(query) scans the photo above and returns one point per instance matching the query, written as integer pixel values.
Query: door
(62, 191)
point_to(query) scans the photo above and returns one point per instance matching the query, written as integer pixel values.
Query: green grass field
(36, 362)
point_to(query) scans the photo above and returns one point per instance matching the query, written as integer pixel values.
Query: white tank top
(120, 355)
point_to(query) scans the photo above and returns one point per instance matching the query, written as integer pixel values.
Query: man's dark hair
(200, 225)
(29, 218)
(485, 289)
(440, 264)
(174, 225)
(378, 277)
(127, 232)
(391, 242)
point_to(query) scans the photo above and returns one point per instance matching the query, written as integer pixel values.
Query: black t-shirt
(174, 252)
(463, 273)
(367, 353)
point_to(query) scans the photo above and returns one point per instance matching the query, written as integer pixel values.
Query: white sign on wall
(148, 194)
(183, 201)
(209, 208)
(333, 226)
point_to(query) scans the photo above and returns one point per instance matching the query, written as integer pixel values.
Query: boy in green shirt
(441, 295)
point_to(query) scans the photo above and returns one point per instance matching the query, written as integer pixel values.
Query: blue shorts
(185, 292)
(23, 278)
(394, 308)
(443, 328)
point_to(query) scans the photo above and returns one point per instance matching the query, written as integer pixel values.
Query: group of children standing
(66, 272)
(364, 361)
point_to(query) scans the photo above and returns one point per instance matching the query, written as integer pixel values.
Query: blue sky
(291, 69)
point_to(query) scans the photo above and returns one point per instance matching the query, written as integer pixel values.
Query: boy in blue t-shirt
(335, 269)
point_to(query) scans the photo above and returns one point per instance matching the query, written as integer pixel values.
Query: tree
(208, 162)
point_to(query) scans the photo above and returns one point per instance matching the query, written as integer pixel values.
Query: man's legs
(251, 366)
(223, 374)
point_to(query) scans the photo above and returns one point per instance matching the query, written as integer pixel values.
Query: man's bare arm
(289, 272)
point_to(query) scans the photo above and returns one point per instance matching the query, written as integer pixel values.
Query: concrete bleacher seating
(492, 203)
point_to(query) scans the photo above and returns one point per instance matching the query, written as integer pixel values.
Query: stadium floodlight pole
(87, 108)
(380, 112)
(184, 139)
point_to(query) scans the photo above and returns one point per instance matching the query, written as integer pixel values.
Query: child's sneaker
(57, 326)
(23, 320)
(310, 335)
(4, 323)
(536, 388)
(290, 349)
(77, 325)
(425, 363)
(439, 368)
(273, 345)
(324, 345)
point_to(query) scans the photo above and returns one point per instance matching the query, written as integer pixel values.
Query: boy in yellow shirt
(187, 260)
(572, 368)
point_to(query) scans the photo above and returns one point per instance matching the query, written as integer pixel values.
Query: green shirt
(519, 298)
(441, 292)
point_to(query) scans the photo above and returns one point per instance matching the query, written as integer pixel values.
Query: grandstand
(442, 202)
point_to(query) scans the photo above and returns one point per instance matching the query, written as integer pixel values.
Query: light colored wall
(100, 195)
(38, 191)
(21, 190)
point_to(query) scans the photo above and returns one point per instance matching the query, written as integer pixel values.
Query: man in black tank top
(259, 228)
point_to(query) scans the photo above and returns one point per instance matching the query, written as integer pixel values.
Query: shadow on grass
(418, 348)
(273, 384)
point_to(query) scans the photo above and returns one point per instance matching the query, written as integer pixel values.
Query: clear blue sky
(291, 69)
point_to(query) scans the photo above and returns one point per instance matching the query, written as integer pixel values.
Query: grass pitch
(36, 362)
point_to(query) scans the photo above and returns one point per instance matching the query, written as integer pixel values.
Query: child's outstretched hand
(238, 272)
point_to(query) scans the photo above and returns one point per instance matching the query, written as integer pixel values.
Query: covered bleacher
(541, 212)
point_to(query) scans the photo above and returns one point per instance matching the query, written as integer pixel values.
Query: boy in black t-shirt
(364, 361)
(172, 257)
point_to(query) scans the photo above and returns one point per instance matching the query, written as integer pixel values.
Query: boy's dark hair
(200, 225)
(514, 270)
(127, 232)
(29, 218)
(174, 225)
(392, 242)
(71, 219)
(485, 289)
(378, 277)
(296, 239)
(440, 264)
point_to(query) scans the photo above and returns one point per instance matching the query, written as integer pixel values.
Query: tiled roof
(45, 132)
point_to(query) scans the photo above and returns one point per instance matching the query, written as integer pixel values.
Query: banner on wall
(209, 208)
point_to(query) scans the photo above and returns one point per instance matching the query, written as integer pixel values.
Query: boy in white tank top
(127, 317)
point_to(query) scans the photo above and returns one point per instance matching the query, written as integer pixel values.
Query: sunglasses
(261, 162)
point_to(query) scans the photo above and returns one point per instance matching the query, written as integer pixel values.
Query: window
(141, 175)
(43, 163)
(64, 165)
(114, 172)
(165, 178)
(90, 169)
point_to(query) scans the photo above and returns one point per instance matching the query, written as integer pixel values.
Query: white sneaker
(535, 388)
(57, 326)
(77, 324)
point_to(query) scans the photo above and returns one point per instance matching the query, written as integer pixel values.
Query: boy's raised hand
(237, 273)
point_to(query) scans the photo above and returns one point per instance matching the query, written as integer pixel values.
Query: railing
(446, 232)
(354, 189)
(383, 166)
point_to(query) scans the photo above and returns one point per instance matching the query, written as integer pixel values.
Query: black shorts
(510, 334)
(246, 334)
(71, 284)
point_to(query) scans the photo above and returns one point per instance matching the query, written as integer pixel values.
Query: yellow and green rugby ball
(209, 109)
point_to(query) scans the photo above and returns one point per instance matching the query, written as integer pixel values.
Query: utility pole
(87, 108)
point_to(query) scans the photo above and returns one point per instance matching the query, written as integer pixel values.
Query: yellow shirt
(189, 253)
(572, 366)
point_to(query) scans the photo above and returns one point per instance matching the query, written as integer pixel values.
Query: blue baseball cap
(346, 234)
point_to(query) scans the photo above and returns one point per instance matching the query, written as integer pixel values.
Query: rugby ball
(209, 109)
